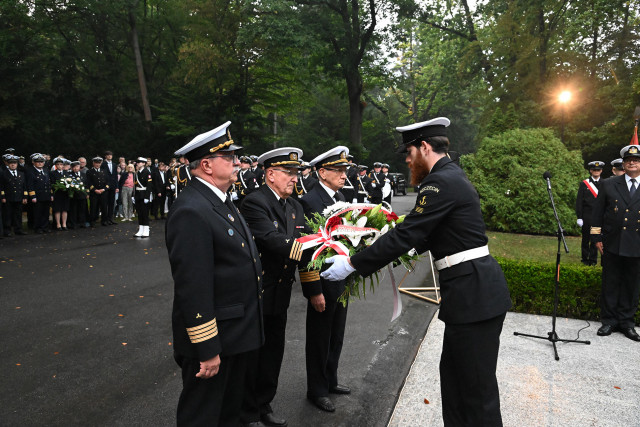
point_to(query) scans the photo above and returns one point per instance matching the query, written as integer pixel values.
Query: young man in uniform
(447, 220)
(587, 194)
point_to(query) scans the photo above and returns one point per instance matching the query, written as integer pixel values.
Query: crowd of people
(62, 194)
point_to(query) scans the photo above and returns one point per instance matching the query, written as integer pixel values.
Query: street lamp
(564, 97)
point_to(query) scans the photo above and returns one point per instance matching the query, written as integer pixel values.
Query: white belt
(141, 188)
(468, 255)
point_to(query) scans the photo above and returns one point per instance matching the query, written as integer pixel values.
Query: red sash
(591, 187)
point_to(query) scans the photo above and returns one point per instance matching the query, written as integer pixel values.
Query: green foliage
(532, 285)
(507, 173)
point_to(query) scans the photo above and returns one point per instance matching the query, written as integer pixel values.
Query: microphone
(547, 175)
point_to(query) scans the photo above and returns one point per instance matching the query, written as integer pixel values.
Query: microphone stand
(553, 336)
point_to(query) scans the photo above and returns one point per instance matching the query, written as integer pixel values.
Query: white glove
(339, 270)
(146, 201)
(133, 199)
(580, 222)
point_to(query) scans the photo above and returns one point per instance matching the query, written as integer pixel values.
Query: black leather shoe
(340, 389)
(630, 333)
(254, 424)
(323, 403)
(605, 330)
(20, 233)
(272, 421)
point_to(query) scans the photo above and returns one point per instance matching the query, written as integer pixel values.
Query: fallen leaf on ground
(426, 401)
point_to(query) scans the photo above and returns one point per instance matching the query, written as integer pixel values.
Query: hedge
(532, 284)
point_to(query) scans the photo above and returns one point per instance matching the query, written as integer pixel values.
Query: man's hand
(318, 303)
(580, 222)
(340, 269)
(600, 247)
(209, 368)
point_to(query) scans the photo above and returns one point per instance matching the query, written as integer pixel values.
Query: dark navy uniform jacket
(585, 200)
(14, 188)
(377, 182)
(217, 305)
(275, 229)
(39, 185)
(97, 180)
(446, 219)
(615, 220)
(112, 177)
(142, 179)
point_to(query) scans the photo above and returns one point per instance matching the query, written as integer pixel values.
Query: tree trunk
(354, 90)
(141, 79)
(543, 46)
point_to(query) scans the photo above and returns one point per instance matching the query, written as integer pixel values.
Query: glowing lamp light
(565, 96)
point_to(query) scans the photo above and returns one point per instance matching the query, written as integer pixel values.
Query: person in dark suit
(142, 189)
(257, 170)
(377, 182)
(306, 181)
(98, 184)
(387, 183)
(78, 202)
(586, 198)
(111, 171)
(162, 186)
(615, 231)
(276, 219)
(617, 168)
(350, 189)
(326, 317)
(183, 175)
(447, 220)
(14, 195)
(364, 185)
(246, 182)
(39, 187)
(217, 306)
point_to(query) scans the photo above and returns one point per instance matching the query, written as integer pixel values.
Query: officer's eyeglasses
(632, 160)
(290, 172)
(233, 157)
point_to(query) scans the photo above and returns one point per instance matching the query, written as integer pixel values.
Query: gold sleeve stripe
(198, 328)
(208, 333)
(596, 230)
(203, 332)
(296, 251)
(203, 338)
(309, 276)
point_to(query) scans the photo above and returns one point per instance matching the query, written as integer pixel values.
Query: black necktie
(632, 190)
(283, 202)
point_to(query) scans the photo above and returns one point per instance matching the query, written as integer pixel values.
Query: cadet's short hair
(439, 144)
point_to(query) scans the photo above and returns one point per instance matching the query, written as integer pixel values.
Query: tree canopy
(142, 77)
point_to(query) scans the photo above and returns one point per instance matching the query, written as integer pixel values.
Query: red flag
(634, 139)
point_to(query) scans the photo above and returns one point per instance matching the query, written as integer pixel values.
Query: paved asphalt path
(86, 336)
